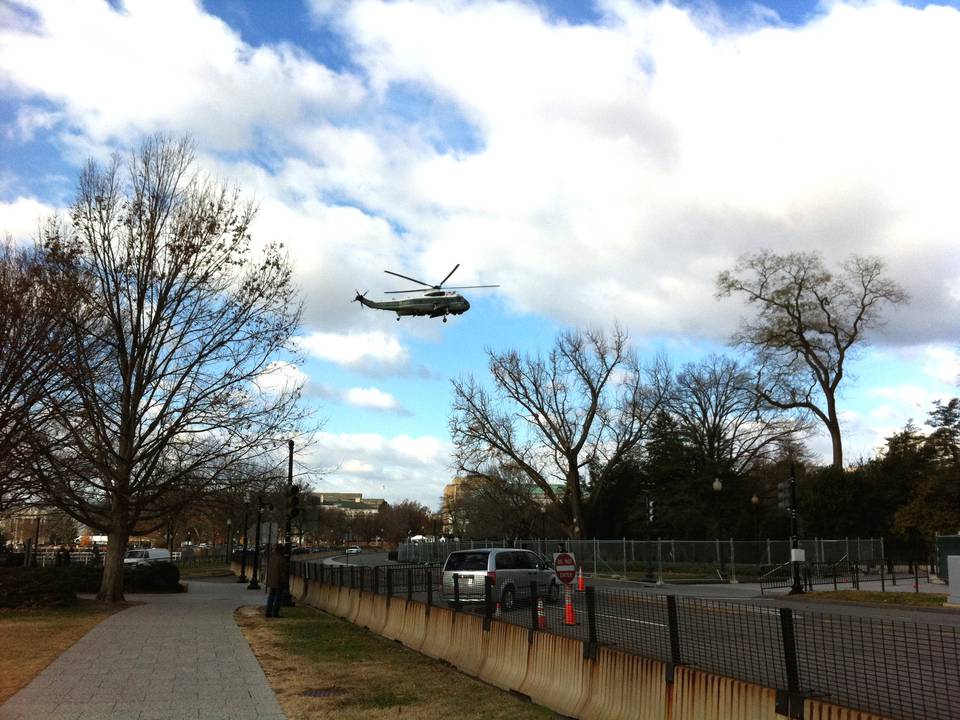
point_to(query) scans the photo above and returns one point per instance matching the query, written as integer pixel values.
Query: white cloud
(280, 377)
(910, 396)
(21, 218)
(943, 365)
(147, 66)
(395, 468)
(358, 350)
(374, 399)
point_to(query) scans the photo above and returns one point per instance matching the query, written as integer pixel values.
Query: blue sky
(601, 161)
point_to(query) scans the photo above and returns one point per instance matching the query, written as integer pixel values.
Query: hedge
(54, 586)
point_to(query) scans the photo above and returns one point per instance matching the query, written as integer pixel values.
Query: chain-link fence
(668, 560)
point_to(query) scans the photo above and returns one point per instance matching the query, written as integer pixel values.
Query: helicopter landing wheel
(444, 318)
(398, 318)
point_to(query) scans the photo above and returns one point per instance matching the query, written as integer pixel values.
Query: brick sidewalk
(177, 656)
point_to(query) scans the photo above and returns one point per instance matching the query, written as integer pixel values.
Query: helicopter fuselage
(434, 303)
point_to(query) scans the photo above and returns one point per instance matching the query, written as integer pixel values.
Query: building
(350, 503)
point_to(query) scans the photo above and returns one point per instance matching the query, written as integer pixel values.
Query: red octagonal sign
(565, 566)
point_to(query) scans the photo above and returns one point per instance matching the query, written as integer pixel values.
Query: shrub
(54, 586)
(35, 587)
(158, 577)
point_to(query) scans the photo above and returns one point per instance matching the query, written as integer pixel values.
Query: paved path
(177, 656)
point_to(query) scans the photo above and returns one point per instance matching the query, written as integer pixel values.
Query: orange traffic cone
(541, 615)
(496, 612)
(581, 586)
(569, 617)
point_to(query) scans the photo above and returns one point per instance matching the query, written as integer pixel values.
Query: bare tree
(31, 337)
(808, 322)
(502, 503)
(586, 403)
(171, 368)
(721, 416)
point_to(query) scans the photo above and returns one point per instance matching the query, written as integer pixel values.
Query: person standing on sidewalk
(278, 575)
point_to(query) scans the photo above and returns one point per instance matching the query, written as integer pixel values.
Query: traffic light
(293, 497)
(783, 494)
(651, 511)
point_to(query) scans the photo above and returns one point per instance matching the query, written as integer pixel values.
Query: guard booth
(947, 545)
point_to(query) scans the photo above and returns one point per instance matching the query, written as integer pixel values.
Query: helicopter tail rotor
(360, 296)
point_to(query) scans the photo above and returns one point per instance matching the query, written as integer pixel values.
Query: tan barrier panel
(315, 594)
(353, 606)
(342, 604)
(626, 687)
(552, 671)
(296, 587)
(468, 643)
(817, 710)
(363, 610)
(557, 675)
(378, 613)
(394, 625)
(436, 641)
(235, 568)
(506, 662)
(701, 696)
(414, 625)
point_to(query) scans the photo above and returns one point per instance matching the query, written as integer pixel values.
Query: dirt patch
(32, 639)
(308, 652)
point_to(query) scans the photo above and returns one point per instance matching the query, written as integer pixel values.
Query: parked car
(510, 571)
(146, 556)
(352, 550)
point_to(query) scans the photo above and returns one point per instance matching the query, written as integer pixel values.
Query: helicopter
(435, 302)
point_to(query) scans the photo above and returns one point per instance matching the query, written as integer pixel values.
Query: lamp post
(243, 552)
(796, 554)
(717, 488)
(254, 584)
(229, 541)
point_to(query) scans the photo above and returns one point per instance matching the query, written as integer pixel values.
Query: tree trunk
(576, 503)
(833, 425)
(111, 585)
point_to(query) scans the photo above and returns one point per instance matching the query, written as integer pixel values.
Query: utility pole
(796, 554)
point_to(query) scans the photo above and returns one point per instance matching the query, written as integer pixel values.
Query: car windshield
(467, 561)
(136, 554)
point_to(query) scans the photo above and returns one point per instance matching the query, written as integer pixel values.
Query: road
(895, 661)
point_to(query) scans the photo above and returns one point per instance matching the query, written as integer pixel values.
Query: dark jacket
(278, 571)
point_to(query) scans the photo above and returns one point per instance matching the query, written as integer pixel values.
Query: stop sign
(565, 566)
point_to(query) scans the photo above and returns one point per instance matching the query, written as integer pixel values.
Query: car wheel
(553, 594)
(507, 600)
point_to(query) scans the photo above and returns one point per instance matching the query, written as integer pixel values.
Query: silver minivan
(511, 570)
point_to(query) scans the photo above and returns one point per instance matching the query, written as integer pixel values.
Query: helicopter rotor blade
(467, 287)
(448, 276)
(396, 292)
(405, 277)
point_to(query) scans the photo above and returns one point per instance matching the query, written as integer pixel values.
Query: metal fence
(846, 574)
(890, 667)
(668, 560)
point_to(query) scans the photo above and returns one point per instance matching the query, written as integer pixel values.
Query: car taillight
(493, 577)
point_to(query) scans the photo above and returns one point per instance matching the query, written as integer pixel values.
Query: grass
(34, 638)
(364, 676)
(880, 598)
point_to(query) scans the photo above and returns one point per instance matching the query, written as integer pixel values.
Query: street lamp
(717, 487)
(243, 553)
(254, 584)
(229, 541)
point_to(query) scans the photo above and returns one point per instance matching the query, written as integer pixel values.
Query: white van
(146, 555)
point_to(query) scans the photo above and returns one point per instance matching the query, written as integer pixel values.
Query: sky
(602, 162)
